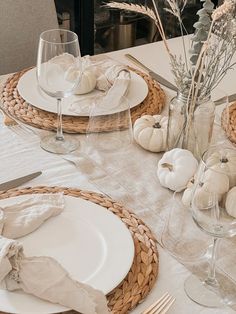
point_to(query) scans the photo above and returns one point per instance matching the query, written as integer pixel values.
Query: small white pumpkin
(87, 81)
(187, 195)
(150, 132)
(65, 60)
(224, 162)
(211, 182)
(215, 182)
(175, 168)
(230, 203)
(202, 198)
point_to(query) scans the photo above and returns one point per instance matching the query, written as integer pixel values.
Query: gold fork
(161, 306)
(7, 120)
(17, 127)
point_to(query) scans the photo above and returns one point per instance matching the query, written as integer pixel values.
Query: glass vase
(191, 131)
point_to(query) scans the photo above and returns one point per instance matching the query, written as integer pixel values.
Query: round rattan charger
(228, 122)
(143, 273)
(18, 108)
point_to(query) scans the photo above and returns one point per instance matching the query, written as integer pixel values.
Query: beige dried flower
(223, 9)
(133, 7)
(176, 8)
(215, 57)
(138, 8)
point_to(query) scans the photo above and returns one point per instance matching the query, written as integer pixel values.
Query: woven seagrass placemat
(228, 122)
(17, 107)
(143, 273)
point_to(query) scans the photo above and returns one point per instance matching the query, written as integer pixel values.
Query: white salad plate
(89, 241)
(29, 90)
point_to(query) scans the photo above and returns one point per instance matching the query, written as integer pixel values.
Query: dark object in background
(102, 30)
(81, 14)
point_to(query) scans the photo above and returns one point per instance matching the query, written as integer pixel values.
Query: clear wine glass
(109, 128)
(214, 212)
(221, 100)
(58, 74)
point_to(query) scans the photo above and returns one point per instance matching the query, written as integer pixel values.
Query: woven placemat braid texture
(228, 122)
(143, 273)
(17, 107)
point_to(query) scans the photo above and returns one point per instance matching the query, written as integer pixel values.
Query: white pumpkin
(215, 182)
(150, 132)
(230, 203)
(87, 81)
(175, 168)
(65, 60)
(202, 198)
(224, 162)
(187, 195)
(211, 182)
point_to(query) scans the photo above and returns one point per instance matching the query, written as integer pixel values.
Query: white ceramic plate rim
(29, 90)
(115, 263)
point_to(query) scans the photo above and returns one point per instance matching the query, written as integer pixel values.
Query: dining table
(128, 177)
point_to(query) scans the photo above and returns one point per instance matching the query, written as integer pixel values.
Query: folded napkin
(113, 79)
(119, 88)
(45, 278)
(106, 70)
(23, 217)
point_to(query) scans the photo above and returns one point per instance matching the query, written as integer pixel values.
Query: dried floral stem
(145, 11)
(216, 68)
(176, 11)
(162, 33)
(224, 8)
(184, 46)
(195, 85)
(212, 49)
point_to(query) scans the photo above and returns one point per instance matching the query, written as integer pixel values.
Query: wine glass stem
(211, 278)
(59, 136)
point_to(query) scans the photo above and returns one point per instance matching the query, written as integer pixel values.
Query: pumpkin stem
(156, 125)
(166, 165)
(224, 160)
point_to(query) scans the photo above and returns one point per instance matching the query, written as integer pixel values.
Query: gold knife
(18, 181)
(154, 75)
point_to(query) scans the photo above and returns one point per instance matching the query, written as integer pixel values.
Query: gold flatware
(161, 306)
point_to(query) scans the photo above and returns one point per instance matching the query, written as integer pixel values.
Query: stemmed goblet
(221, 100)
(214, 212)
(58, 74)
(110, 127)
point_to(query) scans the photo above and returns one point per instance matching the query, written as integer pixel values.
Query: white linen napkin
(113, 79)
(25, 216)
(106, 70)
(45, 278)
(119, 88)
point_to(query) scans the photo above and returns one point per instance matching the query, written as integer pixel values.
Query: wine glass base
(197, 291)
(180, 236)
(184, 251)
(51, 144)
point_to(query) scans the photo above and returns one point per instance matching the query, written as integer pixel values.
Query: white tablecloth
(133, 182)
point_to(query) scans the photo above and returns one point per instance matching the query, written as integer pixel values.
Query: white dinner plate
(89, 241)
(29, 90)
